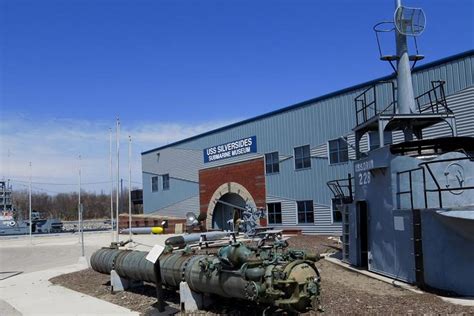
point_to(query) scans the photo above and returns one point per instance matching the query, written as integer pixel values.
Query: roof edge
(313, 100)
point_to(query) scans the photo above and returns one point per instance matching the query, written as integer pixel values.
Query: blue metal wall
(310, 123)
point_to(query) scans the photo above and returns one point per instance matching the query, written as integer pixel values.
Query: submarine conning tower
(408, 209)
(402, 111)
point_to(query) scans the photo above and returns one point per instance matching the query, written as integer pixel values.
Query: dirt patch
(343, 291)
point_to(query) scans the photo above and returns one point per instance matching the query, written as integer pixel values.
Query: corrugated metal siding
(462, 104)
(314, 124)
(179, 190)
(179, 163)
(323, 222)
(180, 208)
(283, 157)
(320, 151)
(288, 210)
(322, 217)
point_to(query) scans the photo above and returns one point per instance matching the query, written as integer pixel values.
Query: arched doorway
(225, 209)
(230, 193)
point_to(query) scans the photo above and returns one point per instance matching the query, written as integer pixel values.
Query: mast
(405, 94)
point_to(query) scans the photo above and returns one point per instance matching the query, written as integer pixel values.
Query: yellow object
(157, 230)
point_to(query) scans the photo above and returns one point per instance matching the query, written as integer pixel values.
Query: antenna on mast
(401, 110)
(407, 22)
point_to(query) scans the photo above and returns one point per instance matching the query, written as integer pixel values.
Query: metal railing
(435, 98)
(342, 189)
(366, 103)
(410, 184)
(438, 190)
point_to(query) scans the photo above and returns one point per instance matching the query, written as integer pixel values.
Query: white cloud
(53, 147)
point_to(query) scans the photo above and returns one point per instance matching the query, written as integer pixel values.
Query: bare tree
(64, 205)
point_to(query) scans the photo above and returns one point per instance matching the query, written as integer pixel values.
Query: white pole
(82, 231)
(118, 177)
(111, 187)
(129, 188)
(5, 186)
(79, 218)
(29, 202)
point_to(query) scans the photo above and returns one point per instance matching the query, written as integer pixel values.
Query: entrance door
(225, 210)
(363, 229)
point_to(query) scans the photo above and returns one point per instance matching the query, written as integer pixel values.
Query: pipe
(174, 268)
(290, 281)
(183, 240)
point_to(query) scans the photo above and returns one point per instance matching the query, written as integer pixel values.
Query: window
(305, 212)
(274, 213)
(154, 184)
(374, 141)
(166, 182)
(272, 163)
(338, 151)
(158, 157)
(302, 157)
(336, 214)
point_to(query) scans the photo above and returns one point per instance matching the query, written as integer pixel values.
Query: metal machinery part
(183, 240)
(270, 276)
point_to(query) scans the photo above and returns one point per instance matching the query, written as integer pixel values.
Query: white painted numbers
(364, 178)
(362, 170)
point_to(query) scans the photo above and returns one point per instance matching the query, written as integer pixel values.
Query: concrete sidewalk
(33, 294)
(47, 256)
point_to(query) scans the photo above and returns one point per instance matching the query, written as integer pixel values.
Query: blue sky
(171, 69)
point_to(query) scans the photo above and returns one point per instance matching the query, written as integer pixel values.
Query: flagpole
(129, 187)
(112, 230)
(29, 204)
(79, 219)
(118, 177)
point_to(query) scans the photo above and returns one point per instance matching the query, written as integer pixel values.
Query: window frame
(302, 157)
(305, 212)
(274, 214)
(339, 141)
(335, 210)
(167, 176)
(273, 164)
(157, 184)
(376, 133)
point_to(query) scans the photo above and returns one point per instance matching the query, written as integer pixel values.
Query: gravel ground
(343, 291)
